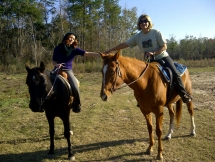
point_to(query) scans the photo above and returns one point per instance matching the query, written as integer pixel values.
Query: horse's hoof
(160, 158)
(41, 110)
(148, 152)
(72, 158)
(193, 134)
(167, 138)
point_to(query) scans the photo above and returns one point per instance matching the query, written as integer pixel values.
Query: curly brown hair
(66, 40)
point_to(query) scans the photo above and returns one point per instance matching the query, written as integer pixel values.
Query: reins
(118, 73)
(56, 70)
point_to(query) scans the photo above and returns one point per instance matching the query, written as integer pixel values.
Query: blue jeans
(74, 85)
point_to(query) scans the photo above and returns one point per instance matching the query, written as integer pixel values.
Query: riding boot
(76, 105)
(186, 97)
(182, 92)
(177, 80)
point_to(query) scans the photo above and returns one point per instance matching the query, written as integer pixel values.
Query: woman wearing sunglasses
(152, 44)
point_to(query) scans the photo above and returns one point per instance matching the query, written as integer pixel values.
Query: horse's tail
(178, 110)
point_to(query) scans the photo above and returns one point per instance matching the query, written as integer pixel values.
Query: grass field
(103, 131)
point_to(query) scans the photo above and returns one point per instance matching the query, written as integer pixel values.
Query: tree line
(30, 29)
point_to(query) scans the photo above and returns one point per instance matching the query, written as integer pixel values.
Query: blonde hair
(146, 17)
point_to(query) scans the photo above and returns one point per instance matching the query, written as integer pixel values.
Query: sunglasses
(143, 21)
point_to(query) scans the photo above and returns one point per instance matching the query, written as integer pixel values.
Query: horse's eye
(36, 80)
(112, 72)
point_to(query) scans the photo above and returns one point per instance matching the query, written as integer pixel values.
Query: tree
(17, 16)
(173, 47)
(111, 12)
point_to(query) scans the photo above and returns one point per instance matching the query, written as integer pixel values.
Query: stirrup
(186, 98)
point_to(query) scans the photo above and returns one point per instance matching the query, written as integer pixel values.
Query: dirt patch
(204, 90)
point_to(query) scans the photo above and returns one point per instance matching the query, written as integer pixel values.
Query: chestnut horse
(55, 103)
(150, 90)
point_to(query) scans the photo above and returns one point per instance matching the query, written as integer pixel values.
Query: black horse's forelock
(35, 76)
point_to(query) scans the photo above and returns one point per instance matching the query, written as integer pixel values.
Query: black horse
(55, 100)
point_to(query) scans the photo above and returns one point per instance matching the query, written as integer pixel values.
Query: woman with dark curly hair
(62, 58)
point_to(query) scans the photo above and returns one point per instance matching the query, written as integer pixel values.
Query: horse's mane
(139, 62)
(132, 65)
(131, 59)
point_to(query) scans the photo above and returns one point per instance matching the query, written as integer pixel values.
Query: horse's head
(111, 75)
(36, 82)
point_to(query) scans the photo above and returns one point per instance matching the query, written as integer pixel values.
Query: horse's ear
(103, 55)
(116, 55)
(42, 66)
(27, 67)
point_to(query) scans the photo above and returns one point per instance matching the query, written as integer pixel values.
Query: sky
(178, 18)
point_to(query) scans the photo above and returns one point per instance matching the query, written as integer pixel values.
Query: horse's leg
(159, 120)
(51, 134)
(148, 117)
(191, 112)
(66, 123)
(171, 123)
(190, 106)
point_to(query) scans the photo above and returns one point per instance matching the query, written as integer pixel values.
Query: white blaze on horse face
(104, 73)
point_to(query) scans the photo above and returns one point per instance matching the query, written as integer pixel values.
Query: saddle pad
(181, 69)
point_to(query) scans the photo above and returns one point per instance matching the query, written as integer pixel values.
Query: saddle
(65, 76)
(167, 74)
(62, 76)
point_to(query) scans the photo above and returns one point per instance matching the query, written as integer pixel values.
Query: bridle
(119, 74)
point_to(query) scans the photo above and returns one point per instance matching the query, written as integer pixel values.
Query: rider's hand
(149, 53)
(59, 66)
(106, 52)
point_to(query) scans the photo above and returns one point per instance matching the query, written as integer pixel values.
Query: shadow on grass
(39, 156)
(120, 158)
(18, 141)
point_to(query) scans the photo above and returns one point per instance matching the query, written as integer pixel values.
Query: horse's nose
(103, 95)
(34, 105)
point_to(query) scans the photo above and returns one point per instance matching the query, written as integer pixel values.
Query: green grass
(103, 131)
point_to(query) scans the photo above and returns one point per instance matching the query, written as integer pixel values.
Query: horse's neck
(48, 81)
(132, 69)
